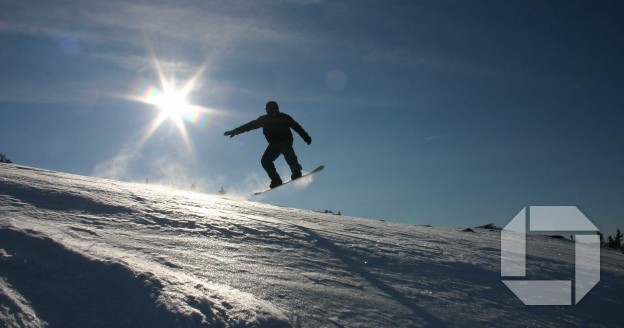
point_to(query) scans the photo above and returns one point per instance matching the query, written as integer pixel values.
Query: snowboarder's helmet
(271, 106)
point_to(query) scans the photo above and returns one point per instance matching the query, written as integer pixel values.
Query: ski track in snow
(78, 251)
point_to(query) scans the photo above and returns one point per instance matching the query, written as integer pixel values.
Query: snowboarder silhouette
(276, 128)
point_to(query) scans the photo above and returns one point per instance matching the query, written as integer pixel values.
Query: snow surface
(79, 251)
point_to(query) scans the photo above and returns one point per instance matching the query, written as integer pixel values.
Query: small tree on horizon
(617, 241)
(4, 159)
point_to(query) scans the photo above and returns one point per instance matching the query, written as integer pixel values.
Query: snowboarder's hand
(308, 140)
(230, 133)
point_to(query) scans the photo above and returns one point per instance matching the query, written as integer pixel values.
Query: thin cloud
(197, 25)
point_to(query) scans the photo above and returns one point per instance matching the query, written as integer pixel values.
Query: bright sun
(172, 104)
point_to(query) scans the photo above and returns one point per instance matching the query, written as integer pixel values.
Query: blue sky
(449, 113)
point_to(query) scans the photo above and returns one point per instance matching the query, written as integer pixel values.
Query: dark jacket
(275, 128)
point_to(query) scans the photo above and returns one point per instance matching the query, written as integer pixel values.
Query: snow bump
(65, 288)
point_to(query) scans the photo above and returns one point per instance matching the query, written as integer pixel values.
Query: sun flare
(171, 100)
(172, 103)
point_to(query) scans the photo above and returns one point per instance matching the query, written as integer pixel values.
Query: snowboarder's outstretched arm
(243, 128)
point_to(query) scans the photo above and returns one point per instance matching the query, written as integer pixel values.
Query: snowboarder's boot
(275, 183)
(295, 175)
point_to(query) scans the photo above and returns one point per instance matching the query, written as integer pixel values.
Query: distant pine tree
(617, 241)
(610, 242)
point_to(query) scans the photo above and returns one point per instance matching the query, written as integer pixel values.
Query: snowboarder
(276, 128)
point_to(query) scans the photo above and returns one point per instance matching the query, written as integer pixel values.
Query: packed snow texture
(78, 251)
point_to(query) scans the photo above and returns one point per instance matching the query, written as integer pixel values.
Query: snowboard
(318, 169)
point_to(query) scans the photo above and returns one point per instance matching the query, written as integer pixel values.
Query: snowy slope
(84, 252)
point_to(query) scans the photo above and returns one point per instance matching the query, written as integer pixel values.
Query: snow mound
(69, 289)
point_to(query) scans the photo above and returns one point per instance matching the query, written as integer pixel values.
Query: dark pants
(273, 151)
